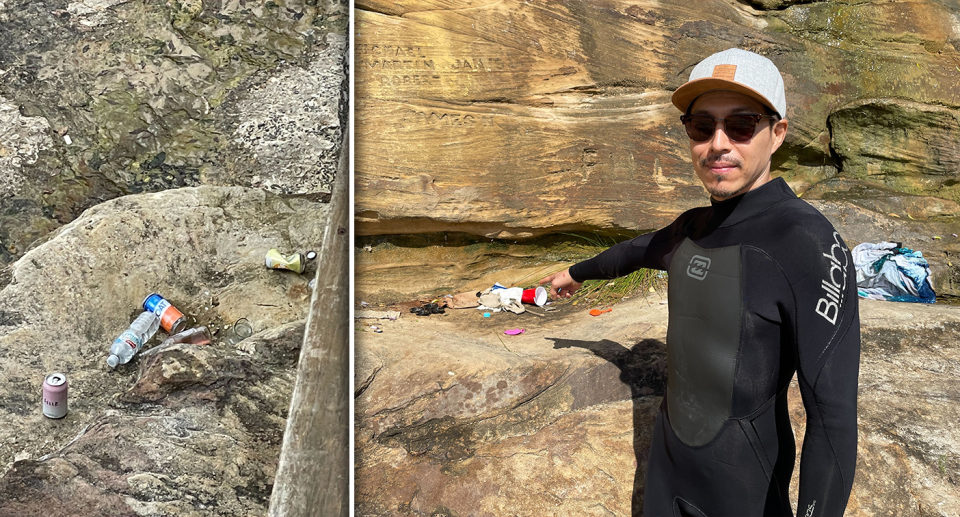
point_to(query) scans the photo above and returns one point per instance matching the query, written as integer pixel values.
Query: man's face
(729, 168)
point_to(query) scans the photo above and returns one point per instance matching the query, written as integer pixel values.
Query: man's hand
(562, 285)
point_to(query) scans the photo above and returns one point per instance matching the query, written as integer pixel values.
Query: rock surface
(232, 114)
(425, 266)
(454, 418)
(516, 119)
(909, 447)
(100, 98)
(186, 430)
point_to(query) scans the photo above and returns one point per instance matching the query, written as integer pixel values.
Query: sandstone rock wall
(513, 120)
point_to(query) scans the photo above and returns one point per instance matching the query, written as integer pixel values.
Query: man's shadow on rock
(643, 369)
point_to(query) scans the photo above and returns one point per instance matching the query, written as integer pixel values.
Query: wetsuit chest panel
(703, 339)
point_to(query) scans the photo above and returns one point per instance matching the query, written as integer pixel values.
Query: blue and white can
(171, 319)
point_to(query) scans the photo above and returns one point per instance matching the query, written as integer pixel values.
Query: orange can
(171, 319)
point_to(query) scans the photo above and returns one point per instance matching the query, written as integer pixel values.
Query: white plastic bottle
(132, 340)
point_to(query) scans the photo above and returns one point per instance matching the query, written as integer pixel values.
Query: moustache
(721, 161)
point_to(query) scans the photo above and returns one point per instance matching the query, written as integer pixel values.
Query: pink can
(55, 396)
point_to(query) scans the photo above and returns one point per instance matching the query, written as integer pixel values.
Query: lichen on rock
(21, 140)
(142, 97)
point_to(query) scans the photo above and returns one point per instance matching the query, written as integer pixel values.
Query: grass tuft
(608, 292)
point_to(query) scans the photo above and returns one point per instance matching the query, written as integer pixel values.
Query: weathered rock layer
(513, 120)
(104, 98)
(454, 420)
(185, 430)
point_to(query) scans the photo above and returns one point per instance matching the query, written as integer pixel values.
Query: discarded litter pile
(497, 298)
(888, 271)
(500, 298)
(157, 312)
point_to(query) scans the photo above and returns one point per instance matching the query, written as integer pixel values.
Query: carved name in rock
(530, 119)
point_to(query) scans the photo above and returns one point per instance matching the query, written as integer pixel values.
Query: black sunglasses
(739, 128)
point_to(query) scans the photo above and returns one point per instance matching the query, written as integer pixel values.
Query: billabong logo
(835, 285)
(810, 509)
(698, 267)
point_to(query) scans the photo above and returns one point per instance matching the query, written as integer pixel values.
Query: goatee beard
(718, 192)
(722, 194)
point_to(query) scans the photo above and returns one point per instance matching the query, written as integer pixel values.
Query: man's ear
(779, 134)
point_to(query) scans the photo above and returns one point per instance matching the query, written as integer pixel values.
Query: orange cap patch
(725, 72)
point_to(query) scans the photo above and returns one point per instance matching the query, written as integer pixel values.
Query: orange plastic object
(597, 312)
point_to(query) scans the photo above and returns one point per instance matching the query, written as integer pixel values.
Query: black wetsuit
(760, 286)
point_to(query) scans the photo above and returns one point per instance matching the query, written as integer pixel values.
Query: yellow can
(295, 262)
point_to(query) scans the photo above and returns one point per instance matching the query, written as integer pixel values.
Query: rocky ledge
(186, 430)
(455, 418)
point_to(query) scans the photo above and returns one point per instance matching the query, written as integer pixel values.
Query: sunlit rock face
(452, 419)
(511, 120)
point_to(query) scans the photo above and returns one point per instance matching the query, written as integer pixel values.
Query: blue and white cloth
(888, 271)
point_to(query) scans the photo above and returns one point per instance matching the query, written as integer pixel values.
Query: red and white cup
(537, 296)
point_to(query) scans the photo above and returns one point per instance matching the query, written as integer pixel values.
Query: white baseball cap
(736, 70)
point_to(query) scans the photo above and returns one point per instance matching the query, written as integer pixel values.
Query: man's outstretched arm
(651, 250)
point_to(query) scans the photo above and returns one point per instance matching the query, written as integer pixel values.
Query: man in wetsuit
(760, 286)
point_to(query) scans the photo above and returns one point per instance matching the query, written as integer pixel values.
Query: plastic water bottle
(132, 340)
